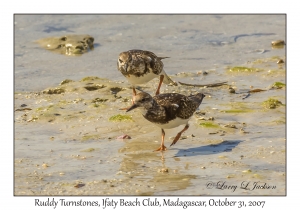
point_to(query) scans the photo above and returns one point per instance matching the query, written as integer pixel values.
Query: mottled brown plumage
(167, 110)
(140, 66)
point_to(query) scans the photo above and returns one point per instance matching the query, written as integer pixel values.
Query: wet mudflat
(74, 135)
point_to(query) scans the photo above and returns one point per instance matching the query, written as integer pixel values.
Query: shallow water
(65, 139)
(193, 43)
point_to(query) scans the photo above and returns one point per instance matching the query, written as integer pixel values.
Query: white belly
(141, 80)
(174, 123)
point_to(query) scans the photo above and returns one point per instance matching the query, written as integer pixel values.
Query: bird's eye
(120, 61)
(143, 99)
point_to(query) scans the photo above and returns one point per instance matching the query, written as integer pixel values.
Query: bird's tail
(167, 80)
(160, 58)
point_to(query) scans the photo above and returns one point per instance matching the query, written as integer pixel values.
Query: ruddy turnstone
(167, 110)
(140, 66)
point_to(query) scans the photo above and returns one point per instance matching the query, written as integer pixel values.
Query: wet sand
(62, 140)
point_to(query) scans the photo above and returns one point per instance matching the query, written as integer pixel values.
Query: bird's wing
(170, 101)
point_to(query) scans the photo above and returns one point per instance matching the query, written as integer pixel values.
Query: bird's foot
(161, 148)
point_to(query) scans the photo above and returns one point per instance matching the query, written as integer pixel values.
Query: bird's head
(141, 99)
(123, 60)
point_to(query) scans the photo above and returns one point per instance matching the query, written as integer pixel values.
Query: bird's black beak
(125, 67)
(132, 107)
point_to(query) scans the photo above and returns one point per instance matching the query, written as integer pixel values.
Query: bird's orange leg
(133, 94)
(162, 146)
(179, 134)
(134, 91)
(161, 78)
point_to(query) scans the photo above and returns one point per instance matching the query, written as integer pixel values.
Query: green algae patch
(243, 69)
(258, 176)
(96, 105)
(229, 176)
(62, 103)
(46, 108)
(54, 91)
(48, 113)
(69, 45)
(278, 44)
(238, 107)
(116, 89)
(272, 103)
(281, 120)
(94, 87)
(260, 61)
(275, 58)
(89, 79)
(66, 81)
(98, 101)
(274, 72)
(237, 111)
(209, 125)
(88, 150)
(278, 85)
(267, 60)
(120, 118)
